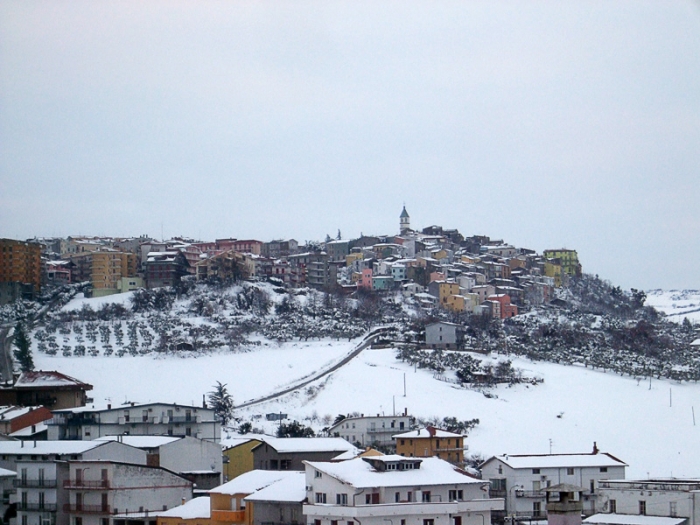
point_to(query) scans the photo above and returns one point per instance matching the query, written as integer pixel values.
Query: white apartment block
(155, 419)
(633, 500)
(372, 430)
(520, 479)
(395, 490)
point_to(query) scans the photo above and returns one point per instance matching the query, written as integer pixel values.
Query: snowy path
(368, 340)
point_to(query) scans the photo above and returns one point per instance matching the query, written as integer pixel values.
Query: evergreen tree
(23, 353)
(222, 403)
(294, 429)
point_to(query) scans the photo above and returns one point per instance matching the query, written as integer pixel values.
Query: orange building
(194, 512)
(20, 262)
(108, 268)
(430, 441)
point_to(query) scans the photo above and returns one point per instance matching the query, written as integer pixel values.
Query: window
(536, 508)
(613, 506)
(603, 469)
(535, 471)
(285, 464)
(403, 441)
(570, 471)
(320, 497)
(457, 495)
(426, 496)
(341, 499)
(397, 497)
(334, 522)
(642, 507)
(403, 522)
(429, 522)
(126, 416)
(188, 431)
(409, 497)
(318, 474)
(41, 500)
(274, 465)
(672, 509)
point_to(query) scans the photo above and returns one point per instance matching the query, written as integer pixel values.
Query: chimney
(35, 443)
(109, 406)
(204, 401)
(595, 448)
(431, 430)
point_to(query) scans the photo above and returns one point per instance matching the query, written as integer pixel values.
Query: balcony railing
(529, 494)
(36, 507)
(495, 493)
(86, 484)
(34, 483)
(74, 508)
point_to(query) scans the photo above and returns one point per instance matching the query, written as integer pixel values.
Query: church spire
(404, 221)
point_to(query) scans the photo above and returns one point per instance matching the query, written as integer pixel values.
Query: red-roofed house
(51, 389)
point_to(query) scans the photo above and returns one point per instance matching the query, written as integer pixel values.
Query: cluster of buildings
(166, 464)
(436, 266)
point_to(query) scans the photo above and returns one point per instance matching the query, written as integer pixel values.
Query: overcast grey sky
(547, 124)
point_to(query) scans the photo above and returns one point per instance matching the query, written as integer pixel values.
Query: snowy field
(185, 377)
(676, 304)
(573, 408)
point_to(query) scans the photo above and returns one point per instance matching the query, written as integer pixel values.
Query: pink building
(366, 279)
(505, 309)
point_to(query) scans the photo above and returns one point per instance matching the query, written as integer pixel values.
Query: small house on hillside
(51, 389)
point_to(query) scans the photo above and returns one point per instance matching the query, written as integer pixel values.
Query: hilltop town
(436, 266)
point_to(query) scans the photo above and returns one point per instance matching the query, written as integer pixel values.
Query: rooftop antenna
(550, 445)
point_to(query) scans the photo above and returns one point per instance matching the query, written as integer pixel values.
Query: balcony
(495, 493)
(231, 516)
(36, 507)
(84, 484)
(529, 494)
(86, 509)
(34, 483)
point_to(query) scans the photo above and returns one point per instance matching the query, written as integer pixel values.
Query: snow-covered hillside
(573, 408)
(676, 304)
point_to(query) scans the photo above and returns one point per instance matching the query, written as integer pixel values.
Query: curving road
(367, 341)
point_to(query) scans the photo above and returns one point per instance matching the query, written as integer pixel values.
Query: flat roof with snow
(425, 433)
(360, 474)
(602, 459)
(290, 445)
(624, 519)
(141, 441)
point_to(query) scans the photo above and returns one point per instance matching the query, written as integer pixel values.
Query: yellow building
(108, 268)
(429, 442)
(456, 303)
(238, 458)
(20, 262)
(351, 258)
(445, 290)
(568, 260)
(553, 270)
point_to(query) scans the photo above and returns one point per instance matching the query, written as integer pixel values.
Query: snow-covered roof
(11, 412)
(623, 519)
(288, 445)
(193, 509)
(252, 481)
(601, 459)
(348, 454)
(141, 441)
(48, 379)
(47, 447)
(696, 342)
(360, 474)
(6, 473)
(289, 489)
(426, 433)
